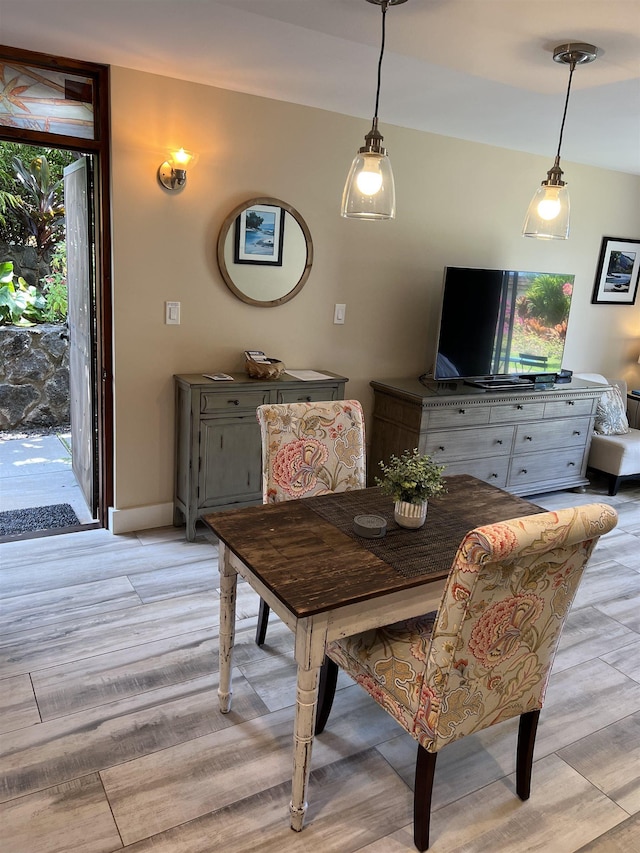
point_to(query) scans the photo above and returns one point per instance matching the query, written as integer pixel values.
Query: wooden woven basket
(271, 369)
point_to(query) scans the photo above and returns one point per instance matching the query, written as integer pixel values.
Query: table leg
(310, 646)
(228, 583)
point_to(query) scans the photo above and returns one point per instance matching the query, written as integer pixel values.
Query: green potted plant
(411, 480)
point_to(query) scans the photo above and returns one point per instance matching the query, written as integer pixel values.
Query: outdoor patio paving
(36, 471)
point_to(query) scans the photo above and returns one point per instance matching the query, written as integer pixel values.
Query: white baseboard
(140, 518)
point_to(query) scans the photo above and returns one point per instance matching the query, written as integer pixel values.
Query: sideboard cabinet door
(220, 441)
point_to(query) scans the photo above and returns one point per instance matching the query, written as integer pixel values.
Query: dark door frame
(99, 147)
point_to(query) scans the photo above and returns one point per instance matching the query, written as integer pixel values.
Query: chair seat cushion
(389, 663)
(616, 454)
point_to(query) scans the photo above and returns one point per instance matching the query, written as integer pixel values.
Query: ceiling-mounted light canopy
(548, 214)
(172, 174)
(369, 192)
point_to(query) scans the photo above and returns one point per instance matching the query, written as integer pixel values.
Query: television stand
(501, 383)
(526, 439)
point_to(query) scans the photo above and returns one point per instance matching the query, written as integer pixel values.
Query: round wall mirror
(265, 251)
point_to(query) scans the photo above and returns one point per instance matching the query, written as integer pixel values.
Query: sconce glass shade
(172, 174)
(369, 192)
(182, 159)
(548, 214)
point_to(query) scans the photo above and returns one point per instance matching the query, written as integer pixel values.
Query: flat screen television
(501, 324)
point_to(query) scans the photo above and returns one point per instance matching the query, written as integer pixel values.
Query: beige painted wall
(459, 203)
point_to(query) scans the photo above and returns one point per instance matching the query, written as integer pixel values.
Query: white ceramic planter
(409, 515)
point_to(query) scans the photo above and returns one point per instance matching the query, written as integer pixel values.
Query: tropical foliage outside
(32, 214)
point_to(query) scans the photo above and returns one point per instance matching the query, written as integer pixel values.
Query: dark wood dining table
(325, 582)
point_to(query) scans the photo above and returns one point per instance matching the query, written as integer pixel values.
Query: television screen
(501, 323)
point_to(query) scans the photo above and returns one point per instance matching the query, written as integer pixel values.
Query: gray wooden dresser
(525, 442)
(217, 438)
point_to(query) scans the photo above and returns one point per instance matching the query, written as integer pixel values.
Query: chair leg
(326, 692)
(263, 619)
(614, 484)
(425, 771)
(524, 757)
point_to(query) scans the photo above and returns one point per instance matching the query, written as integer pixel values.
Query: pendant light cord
(384, 14)
(566, 104)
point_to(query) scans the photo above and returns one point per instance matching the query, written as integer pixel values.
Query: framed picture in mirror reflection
(259, 235)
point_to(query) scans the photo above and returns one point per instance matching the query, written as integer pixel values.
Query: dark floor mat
(37, 518)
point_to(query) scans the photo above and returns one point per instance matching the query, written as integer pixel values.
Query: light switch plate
(172, 313)
(339, 312)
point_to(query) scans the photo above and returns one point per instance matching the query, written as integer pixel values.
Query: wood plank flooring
(111, 738)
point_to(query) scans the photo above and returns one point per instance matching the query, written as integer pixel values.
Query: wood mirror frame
(282, 282)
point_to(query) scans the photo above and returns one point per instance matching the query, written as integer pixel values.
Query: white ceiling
(475, 69)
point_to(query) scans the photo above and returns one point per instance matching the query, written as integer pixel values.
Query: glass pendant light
(369, 192)
(548, 214)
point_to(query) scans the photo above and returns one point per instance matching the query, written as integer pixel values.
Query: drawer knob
(233, 402)
(528, 438)
(498, 441)
(441, 448)
(519, 406)
(576, 432)
(461, 411)
(493, 476)
(572, 464)
(571, 402)
(523, 470)
(306, 399)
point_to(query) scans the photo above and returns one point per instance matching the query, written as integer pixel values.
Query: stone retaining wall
(25, 262)
(34, 376)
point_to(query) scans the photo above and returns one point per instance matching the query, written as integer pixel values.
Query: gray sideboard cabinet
(217, 438)
(525, 442)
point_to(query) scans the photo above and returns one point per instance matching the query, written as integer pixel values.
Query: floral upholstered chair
(309, 449)
(485, 656)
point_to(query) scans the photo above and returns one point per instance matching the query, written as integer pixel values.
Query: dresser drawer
(544, 468)
(232, 400)
(459, 416)
(515, 412)
(567, 432)
(569, 408)
(449, 445)
(492, 469)
(307, 395)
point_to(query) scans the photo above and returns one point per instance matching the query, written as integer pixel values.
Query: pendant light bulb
(548, 214)
(549, 206)
(369, 178)
(369, 192)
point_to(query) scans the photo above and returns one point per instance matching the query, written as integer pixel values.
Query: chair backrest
(497, 630)
(529, 360)
(311, 449)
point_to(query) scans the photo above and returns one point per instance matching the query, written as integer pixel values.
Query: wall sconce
(548, 214)
(172, 174)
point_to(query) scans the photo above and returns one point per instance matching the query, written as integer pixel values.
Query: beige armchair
(616, 454)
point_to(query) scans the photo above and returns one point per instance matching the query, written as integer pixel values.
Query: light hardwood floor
(112, 739)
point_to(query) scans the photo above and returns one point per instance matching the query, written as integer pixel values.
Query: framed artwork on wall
(617, 275)
(260, 235)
